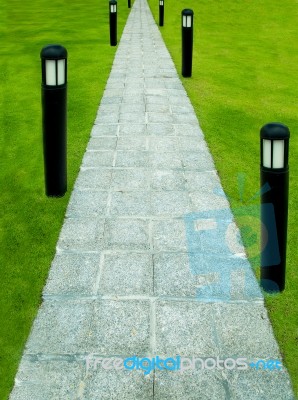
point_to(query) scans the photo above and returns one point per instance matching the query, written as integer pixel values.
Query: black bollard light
(187, 42)
(274, 205)
(128, 3)
(54, 118)
(113, 22)
(161, 12)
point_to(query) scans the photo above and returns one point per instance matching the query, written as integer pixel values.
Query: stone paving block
(151, 73)
(244, 330)
(132, 143)
(158, 108)
(89, 203)
(169, 235)
(182, 118)
(132, 234)
(107, 118)
(41, 392)
(102, 143)
(192, 144)
(212, 234)
(120, 327)
(131, 158)
(108, 109)
(111, 100)
(159, 117)
(115, 82)
(133, 96)
(222, 278)
(114, 89)
(163, 143)
(40, 380)
(191, 385)
(132, 108)
(173, 83)
(172, 203)
(134, 73)
(202, 181)
(85, 234)
(151, 99)
(104, 130)
(131, 203)
(93, 178)
(203, 201)
(185, 328)
(154, 83)
(126, 274)
(266, 385)
(98, 158)
(182, 109)
(130, 179)
(132, 117)
(173, 276)
(165, 160)
(132, 129)
(188, 130)
(118, 385)
(73, 274)
(197, 160)
(167, 180)
(154, 91)
(137, 83)
(116, 77)
(160, 129)
(177, 99)
(61, 328)
(168, 72)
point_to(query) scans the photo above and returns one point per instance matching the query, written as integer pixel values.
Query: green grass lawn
(244, 76)
(30, 223)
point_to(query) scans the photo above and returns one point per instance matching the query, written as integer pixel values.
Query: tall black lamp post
(187, 42)
(275, 172)
(161, 12)
(113, 22)
(54, 118)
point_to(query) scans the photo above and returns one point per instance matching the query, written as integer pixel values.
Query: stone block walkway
(148, 261)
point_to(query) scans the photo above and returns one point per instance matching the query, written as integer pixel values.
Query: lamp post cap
(187, 11)
(113, 2)
(53, 52)
(275, 130)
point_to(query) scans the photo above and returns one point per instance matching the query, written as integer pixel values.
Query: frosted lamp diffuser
(186, 21)
(113, 8)
(267, 153)
(51, 72)
(55, 72)
(278, 153)
(161, 2)
(61, 72)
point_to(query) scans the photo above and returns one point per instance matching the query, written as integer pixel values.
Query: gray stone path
(148, 261)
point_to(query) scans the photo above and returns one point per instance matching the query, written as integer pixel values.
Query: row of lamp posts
(274, 139)
(187, 32)
(274, 150)
(54, 110)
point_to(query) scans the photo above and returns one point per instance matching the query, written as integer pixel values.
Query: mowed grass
(31, 222)
(244, 76)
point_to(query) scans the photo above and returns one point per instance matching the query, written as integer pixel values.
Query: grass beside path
(29, 221)
(244, 76)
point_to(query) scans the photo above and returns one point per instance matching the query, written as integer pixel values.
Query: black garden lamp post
(54, 118)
